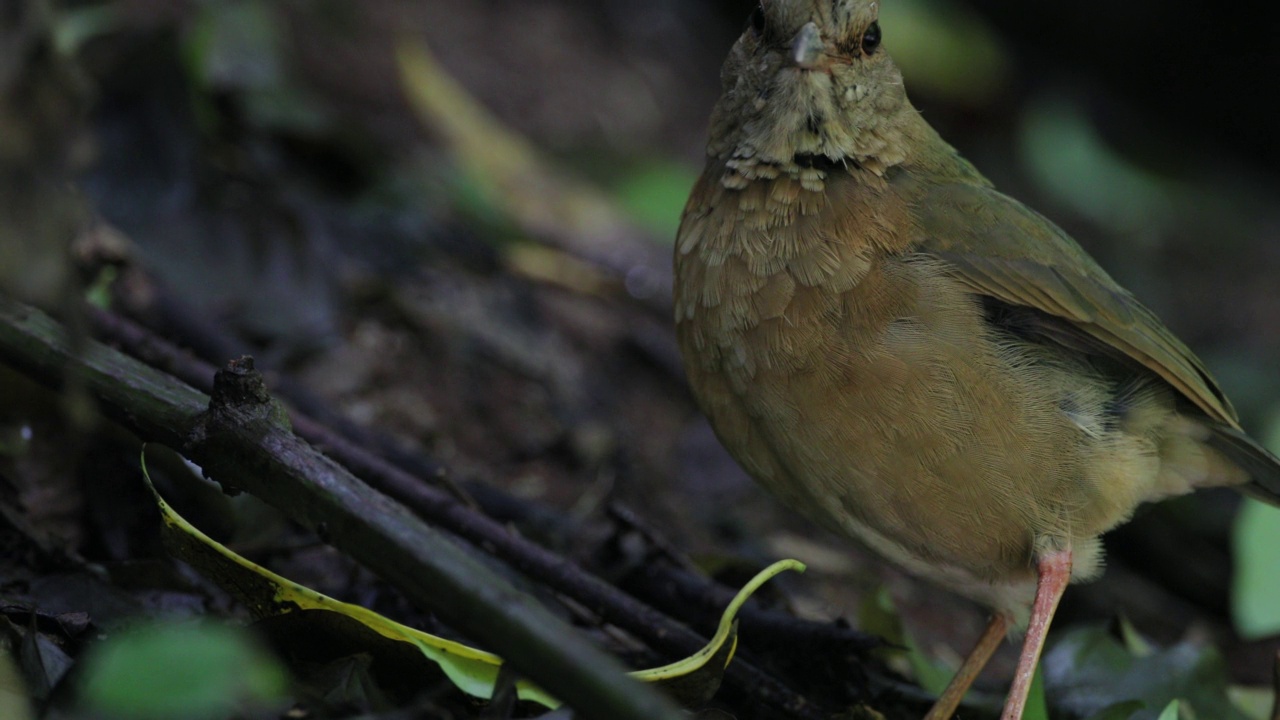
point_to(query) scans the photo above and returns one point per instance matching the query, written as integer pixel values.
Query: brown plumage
(911, 358)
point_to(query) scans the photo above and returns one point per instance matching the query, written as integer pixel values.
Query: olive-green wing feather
(1008, 251)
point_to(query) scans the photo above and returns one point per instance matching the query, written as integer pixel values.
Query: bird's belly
(910, 455)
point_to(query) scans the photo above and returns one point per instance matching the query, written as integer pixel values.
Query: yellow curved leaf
(473, 671)
(724, 631)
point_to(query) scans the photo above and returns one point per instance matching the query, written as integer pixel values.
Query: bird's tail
(1263, 467)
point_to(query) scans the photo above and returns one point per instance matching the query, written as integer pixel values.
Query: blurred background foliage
(464, 272)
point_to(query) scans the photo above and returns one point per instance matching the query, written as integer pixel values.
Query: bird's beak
(807, 48)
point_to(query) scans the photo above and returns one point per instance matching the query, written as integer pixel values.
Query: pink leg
(1055, 573)
(977, 659)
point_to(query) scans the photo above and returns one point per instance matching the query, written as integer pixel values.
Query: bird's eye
(871, 39)
(757, 21)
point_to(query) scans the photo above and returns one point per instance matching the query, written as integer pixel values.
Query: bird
(915, 360)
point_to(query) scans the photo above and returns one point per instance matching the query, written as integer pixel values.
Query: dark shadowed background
(252, 176)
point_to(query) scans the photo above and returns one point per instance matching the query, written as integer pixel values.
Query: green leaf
(235, 44)
(946, 50)
(74, 27)
(1037, 707)
(1070, 160)
(879, 617)
(15, 703)
(1133, 641)
(654, 193)
(1255, 586)
(189, 670)
(1089, 671)
(1170, 711)
(98, 294)
(1255, 701)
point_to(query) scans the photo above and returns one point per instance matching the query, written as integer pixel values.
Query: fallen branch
(409, 478)
(242, 440)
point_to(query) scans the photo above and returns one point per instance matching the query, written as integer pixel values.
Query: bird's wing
(1007, 251)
